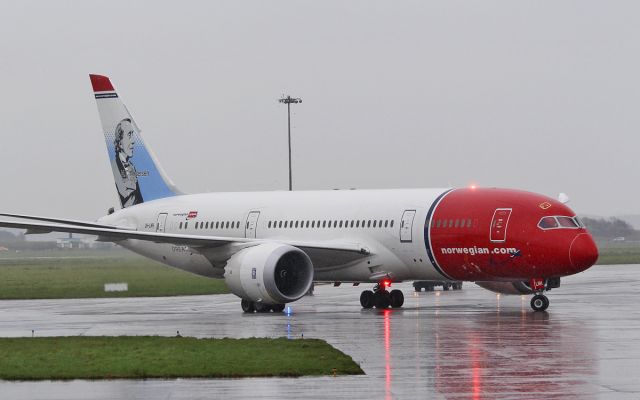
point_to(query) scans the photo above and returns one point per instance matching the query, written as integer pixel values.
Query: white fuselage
(393, 231)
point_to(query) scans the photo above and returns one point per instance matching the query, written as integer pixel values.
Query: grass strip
(611, 255)
(84, 277)
(139, 357)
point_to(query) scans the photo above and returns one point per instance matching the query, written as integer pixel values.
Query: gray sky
(537, 95)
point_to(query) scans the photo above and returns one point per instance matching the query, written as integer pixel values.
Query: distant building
(71, 242)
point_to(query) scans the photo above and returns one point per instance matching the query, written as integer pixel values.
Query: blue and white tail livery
(136, 171)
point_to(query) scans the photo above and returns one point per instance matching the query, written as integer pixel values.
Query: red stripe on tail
(101, 83)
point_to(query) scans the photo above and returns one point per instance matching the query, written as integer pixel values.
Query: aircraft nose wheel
(539, 302)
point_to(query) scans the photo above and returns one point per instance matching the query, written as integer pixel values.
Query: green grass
(82, 274)
(163, 357)
(611, 254)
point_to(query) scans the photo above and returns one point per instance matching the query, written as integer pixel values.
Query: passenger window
(186, 224)
(296, 224)
(180, 225)
(369, 224)
(269, 224)
(567, 222)
(374, 223)
(386, 223)
(469, 223)
(279, 224)
(457, 223)
(548, 223)
(391, 224)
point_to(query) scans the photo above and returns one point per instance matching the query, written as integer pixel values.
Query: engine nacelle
(269, 273)
(516, 287)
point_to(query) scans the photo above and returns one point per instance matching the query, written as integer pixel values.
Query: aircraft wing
(109, 233)
(59, 220)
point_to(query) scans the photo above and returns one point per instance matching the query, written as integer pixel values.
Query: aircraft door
(406, 226)
(162, 221)
(251, 224)
(499, 225)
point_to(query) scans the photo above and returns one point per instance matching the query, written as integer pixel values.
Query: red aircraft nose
(583, 252)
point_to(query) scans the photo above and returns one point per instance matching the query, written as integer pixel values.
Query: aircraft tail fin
(136, 171)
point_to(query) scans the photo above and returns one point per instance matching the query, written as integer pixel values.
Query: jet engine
(517, 287)
(269, 273)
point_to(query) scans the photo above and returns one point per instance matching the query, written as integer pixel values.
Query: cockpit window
(566, 222)
(548, 223)
(560, 222)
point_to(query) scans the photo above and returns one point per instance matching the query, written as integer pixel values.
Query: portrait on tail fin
(124, 170)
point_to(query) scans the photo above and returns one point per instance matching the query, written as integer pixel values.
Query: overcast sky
(536, 95)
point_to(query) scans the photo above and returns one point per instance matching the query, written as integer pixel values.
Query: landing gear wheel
(247, 306)
(262, 308)
(381, 299)
(366, 299)
(396, 298)
(539, 302)
(277, 308)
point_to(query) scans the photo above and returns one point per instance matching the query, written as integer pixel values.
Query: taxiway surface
(456, 344)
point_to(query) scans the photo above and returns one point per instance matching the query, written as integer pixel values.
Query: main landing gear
(249, 306)
(539, 302)
(380, 297)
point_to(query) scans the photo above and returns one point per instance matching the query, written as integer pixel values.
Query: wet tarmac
(463, 344)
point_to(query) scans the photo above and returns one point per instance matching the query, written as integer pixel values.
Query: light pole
(288, 101)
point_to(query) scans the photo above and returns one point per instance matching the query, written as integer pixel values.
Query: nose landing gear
(380, 297)
(539, 302)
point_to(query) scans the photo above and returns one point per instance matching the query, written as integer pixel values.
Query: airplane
(270, 247)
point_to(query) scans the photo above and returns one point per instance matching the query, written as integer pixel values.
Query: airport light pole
(288, 101)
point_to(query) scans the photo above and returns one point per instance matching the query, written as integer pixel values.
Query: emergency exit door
(406, 226)
(251, 224)
(499, 225)
(162, 221)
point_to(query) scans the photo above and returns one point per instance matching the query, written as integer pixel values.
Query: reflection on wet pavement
(468, 344)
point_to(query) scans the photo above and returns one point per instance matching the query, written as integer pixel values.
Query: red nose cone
(583, 252)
